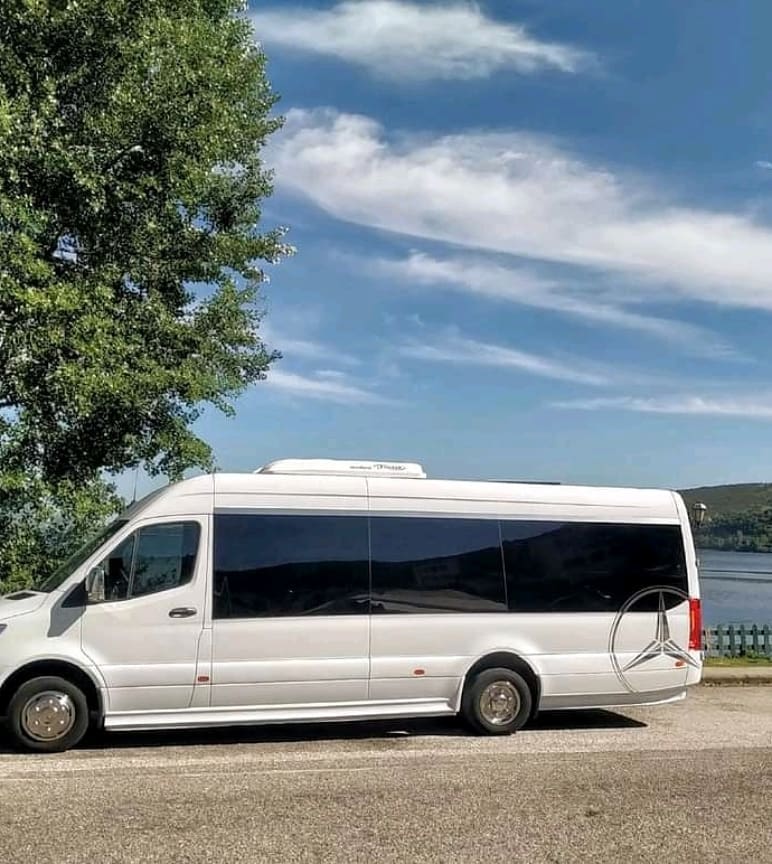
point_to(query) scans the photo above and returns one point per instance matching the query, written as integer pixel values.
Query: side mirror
(95, 584)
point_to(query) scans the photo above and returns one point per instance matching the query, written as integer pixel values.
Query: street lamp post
(698, 513)
(698, 517)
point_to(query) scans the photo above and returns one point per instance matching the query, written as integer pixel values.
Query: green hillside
(731, 499)
(739, 516)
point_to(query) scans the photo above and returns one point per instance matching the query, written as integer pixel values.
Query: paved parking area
(684, 782)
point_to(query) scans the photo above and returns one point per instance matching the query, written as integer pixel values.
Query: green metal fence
(738, 640)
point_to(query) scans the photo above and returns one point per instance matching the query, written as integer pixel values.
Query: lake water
(736, 587)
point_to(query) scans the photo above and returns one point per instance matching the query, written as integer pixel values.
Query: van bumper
(612, 700)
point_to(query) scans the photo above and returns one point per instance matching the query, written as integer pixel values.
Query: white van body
(169, 659)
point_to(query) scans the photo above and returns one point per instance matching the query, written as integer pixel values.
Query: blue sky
(534, 240)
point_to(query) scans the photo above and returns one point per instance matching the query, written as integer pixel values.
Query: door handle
(182, 612)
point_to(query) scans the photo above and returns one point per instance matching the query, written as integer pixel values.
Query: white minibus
(319, 590)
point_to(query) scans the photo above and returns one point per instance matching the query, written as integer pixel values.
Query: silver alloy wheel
(48, 716)
(499, 703)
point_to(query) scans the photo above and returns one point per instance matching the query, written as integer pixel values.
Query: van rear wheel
(48, 714)
(497, 702)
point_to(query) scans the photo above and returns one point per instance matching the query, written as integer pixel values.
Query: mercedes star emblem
(662, 645)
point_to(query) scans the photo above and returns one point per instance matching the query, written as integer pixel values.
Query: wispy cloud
(589, 302)
(748, 407)
(324, 381)
(294, 347)
(303, 348)
(325, 386)
(419, 41)
(524, 195)
(463, 351)
(762, 163)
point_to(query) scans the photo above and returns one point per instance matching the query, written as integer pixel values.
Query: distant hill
(731, 499)
(739, 516)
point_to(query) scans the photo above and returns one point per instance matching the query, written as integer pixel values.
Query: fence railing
(738, 640)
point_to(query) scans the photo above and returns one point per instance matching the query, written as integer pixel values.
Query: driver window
(152, 559)
(165, 557)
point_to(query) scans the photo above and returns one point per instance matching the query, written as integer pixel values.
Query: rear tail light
(695, 625)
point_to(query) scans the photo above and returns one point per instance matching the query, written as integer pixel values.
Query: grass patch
(756, 660)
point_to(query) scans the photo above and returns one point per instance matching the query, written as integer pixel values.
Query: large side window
(152, 559)
(268, 565)
(436, 565)
(589, 567)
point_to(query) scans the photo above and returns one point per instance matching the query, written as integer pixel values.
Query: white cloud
(419, 41)
(520, 194)
(747, 407)
(524, 286)
(331, 374)
(294, 347)
(763, 163)
(323, 386)
(304, 348)
(466, 352)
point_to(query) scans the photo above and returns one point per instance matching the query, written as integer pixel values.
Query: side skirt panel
(194, 718)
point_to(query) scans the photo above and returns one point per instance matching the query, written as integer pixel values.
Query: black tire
(75, 716)
(516, 696)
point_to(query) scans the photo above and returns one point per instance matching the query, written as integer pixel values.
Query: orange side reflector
(202, 679)
(419, 671)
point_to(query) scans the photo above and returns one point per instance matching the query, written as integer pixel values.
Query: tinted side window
(290, 565)
(165, 557)
(589, 567)
(436, 565)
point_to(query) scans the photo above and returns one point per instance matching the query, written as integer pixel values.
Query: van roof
(275, 490)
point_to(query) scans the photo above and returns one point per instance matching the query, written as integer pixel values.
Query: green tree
(43, 524)
(131, 185)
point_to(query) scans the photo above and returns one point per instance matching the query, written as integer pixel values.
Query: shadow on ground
(353, 731)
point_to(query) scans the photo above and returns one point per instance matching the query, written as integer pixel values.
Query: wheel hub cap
(48, 716)
(499, 703)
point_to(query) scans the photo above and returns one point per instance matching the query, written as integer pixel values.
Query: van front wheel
(497, 702)
(48, 714)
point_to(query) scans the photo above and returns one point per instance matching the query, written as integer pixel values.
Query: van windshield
(52, 582)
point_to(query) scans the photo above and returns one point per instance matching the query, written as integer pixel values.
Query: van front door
(142, 625)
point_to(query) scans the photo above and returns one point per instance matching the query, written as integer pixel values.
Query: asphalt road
(681, 783)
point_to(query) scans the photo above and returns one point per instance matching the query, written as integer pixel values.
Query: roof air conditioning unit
(339, 467)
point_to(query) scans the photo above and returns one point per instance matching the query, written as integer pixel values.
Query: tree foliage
(739, 516)
(742, 531)
(44, 523)
(131, 185)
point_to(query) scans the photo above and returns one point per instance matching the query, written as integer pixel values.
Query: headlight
(3, 627)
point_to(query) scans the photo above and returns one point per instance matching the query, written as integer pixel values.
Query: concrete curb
(736, 676)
